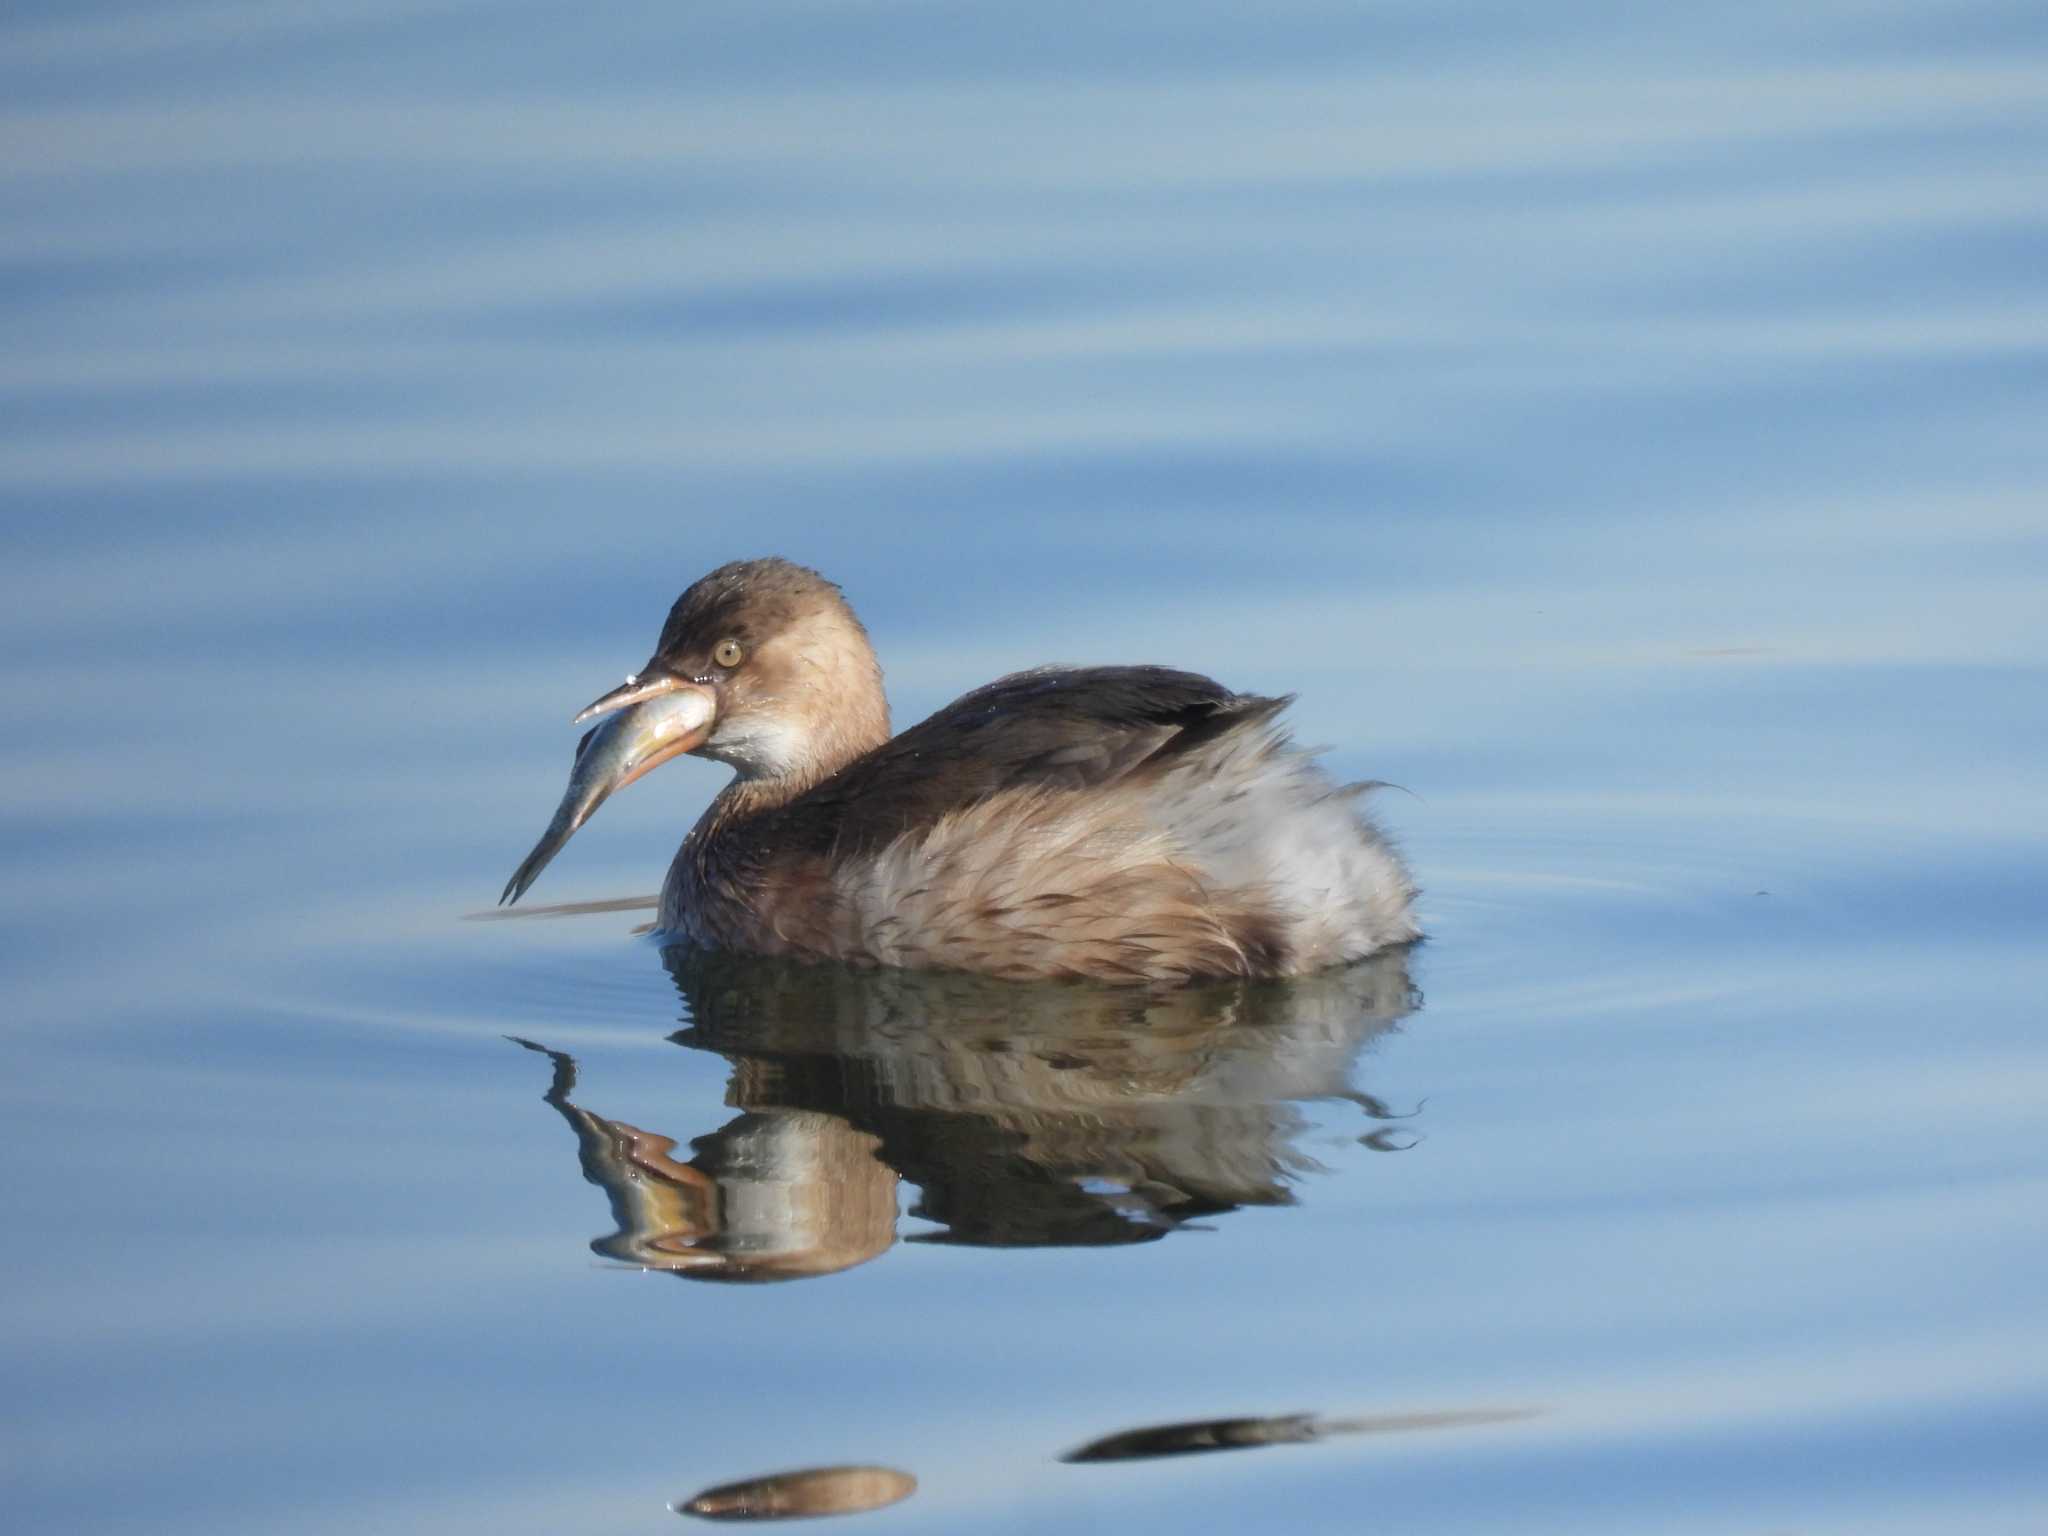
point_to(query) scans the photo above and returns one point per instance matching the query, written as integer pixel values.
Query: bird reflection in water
(1058, 1113)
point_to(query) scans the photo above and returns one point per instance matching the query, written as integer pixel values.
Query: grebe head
(761, 665)
(793, 685)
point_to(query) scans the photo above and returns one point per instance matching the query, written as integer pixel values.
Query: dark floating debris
(801, 1494)
(1199, 1435)
(1391, 1140)
(1282, 1429)
(1376, 1107)
(570, 909)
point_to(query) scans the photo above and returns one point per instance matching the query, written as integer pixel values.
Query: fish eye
(728, 653)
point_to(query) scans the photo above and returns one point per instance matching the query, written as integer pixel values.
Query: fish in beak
(648, 720)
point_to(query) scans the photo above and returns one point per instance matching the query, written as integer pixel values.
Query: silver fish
(612, 754)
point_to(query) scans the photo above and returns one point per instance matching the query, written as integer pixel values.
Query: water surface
(1621, 429)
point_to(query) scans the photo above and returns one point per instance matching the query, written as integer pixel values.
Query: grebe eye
(728, 653)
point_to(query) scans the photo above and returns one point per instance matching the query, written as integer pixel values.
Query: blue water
(1620, 426)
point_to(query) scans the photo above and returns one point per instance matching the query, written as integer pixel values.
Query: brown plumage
(1123, 823)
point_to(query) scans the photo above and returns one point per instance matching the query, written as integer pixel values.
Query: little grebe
(1123, 823)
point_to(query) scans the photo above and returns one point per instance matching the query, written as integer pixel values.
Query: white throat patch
(761, 747)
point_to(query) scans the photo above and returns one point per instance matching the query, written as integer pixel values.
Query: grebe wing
(1064, 728)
